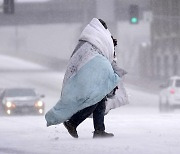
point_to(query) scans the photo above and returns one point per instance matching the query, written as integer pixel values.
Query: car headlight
(39, 104)
(41, 111)
(8, 104)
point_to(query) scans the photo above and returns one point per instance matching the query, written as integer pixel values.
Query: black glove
(112, 93)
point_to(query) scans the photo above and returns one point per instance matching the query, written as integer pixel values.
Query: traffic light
(8, 6)
(134, 14)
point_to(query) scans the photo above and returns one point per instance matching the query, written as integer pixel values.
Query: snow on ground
(134, 134)
(139, 128)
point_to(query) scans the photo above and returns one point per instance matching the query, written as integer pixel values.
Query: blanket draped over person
(89, 76)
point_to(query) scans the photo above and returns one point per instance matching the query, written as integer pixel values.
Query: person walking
(88, 79)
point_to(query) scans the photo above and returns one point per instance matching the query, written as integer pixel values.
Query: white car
(169, 97)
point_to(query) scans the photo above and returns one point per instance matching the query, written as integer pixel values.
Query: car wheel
(164, 107)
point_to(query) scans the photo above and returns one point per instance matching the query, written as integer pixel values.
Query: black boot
(102, 134)
(71, 129)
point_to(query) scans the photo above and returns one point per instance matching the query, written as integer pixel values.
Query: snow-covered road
(138, 127)
(134, 134)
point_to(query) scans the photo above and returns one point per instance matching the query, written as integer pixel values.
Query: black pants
(98, 115)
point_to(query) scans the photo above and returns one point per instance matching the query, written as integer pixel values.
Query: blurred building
(46, 31)
(165, 39)
(57, 11)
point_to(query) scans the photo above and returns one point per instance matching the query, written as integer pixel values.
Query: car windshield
(19, 92)
(177, 83)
